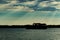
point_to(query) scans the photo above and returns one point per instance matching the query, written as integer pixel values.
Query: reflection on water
(29, 34)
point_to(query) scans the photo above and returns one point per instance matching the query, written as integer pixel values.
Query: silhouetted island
(33, 26)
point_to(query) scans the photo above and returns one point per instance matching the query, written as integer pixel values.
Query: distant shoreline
(33, 26)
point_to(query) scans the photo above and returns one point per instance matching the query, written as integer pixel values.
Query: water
(29, 34)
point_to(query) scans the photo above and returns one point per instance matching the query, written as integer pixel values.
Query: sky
(21, 12)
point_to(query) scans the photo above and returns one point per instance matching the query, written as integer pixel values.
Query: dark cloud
(3, 2)
(24, 0)
(43, 0)
(45, 9)
(57, 0)
(33, 0)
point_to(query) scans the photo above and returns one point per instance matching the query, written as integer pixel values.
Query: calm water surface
(29, 34)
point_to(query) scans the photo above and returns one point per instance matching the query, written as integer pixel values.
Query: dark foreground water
(29, 34)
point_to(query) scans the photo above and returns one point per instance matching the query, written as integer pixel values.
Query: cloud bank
(35, 5)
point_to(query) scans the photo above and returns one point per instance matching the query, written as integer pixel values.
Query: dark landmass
(33, 26)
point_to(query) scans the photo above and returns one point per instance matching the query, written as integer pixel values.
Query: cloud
(48, 9)
(45, 9)
(55, 4)
(57, 0)
(32, 2)
(10, 6)
(3, 2)
(31, 5)
(21, 8)
(43, 4)
(24, 0)
(57, 7)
